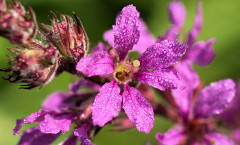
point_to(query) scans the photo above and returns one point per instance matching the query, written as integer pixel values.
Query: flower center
(123, 72)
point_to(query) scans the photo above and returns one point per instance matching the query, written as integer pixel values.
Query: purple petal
(107, 104)
(171, 34)
(173, 137)
(214, 98)
(99, 47)
(99, 63)
(85, 141)
(162, 55)
(236, 135)
(138, 110)
(60, 102)
(54, 101)
(177, 13)
(190, 80)
(187, 73)
(74, 87)
(216, 139)
(34, 136)
(70, 140)
(146, 39)
(34, 117)
(162, 79)
(183, 98)
(197, 25)
(126, 31)
(54, 125)
(229, 116)
(202, 52)
(82, 133)
(108, 36)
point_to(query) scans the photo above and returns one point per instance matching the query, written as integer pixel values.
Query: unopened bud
(70, 38)
(17, 24)
(35, 65)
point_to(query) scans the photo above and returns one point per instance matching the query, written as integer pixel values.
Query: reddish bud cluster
(70, 39)
(35, 65)
(17, 24)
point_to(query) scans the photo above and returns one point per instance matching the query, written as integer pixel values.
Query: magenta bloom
(58, 112)
(196, 115)
(201, 52)
(159, 58)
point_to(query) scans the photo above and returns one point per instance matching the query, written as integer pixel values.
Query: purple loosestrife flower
(58, 112)
(200, 53)
(159, 57)
(17, 24)
(195, 114)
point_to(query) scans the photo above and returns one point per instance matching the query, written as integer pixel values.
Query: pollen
(29, 52)
(136, 63)
(72, 44)
(123, 73)
(213, 141)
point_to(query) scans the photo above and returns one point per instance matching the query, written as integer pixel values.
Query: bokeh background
(221, 20)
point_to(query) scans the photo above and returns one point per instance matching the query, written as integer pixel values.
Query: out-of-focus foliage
(221, 20)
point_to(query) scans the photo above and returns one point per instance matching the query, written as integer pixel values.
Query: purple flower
(196, 110)
(58, 112)
(16, 24)
(159, 57)
(200, 52)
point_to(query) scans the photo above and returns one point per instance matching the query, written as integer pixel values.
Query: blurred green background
(221, 20)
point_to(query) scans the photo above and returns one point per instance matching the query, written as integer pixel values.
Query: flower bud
(35, 65)
(70, 38)
(16, 24)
